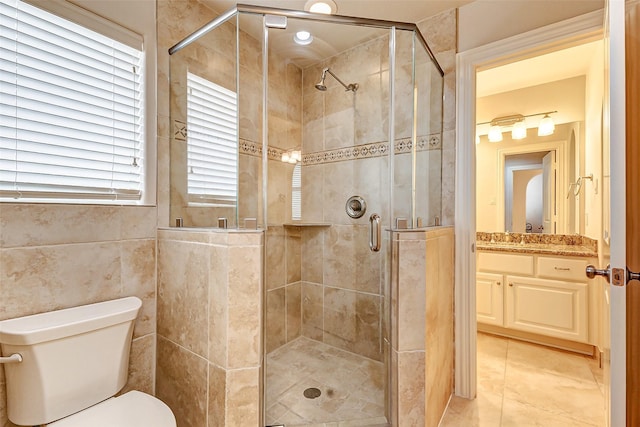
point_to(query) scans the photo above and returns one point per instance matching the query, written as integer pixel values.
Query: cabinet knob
(498, 283)
(511, 284)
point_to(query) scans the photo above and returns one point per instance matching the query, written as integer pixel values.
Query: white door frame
(553, 37)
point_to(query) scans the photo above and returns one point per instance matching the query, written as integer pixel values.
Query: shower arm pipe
(353, 86)
(351, 20)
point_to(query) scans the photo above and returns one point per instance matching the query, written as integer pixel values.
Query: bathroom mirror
(523, 185)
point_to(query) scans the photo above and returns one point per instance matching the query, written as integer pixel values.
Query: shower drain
(312, 393)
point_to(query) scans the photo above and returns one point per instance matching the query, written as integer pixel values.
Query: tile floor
(523, 385)
(352, 387)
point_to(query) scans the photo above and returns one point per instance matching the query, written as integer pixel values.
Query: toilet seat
(132, 409)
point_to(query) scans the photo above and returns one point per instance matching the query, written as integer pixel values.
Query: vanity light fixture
(326, 7)
(518, 126)
(303, 38)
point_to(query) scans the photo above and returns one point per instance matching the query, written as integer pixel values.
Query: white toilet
(71, 364)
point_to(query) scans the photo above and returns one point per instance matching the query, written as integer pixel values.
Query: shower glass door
(327, 323)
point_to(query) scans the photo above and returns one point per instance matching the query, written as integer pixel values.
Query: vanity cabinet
(538, 294)
(490, 298)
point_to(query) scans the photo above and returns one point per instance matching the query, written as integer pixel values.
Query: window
(71, 116)
(296, 193)
(212, 153)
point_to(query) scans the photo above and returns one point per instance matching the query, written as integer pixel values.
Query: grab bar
(375, 247)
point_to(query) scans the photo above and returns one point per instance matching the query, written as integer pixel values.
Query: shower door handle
(375, 230)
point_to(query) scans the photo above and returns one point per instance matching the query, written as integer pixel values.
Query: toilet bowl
(63, 369)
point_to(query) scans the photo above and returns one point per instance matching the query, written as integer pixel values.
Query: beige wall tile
(411, 388)
(279, 192)
(312, 316)
(440, 31)
(243, 407)
(24, 224)
(218, 304)
(367, 263)
(312, 255)
(244, 314)
(181, 382)
(242, 237)
(312, 190)
(217, 396)
(338, 187)
(340, 318)
(313, 120)
(182, 294)
(141, 365)
(411, 295)
(138, 222)
(339, 257)
(138, 266)
(294, 311)
(46, 278)
(275, 253)
(368, 332)
(293, 257)
(276, 333)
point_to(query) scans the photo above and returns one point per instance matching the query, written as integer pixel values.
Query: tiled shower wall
(60, 256)
(209, 367)
(422, 323)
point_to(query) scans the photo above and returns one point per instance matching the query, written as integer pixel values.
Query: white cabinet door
(549, 307)
(489, 298)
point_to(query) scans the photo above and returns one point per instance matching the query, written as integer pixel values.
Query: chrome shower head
(322, 87)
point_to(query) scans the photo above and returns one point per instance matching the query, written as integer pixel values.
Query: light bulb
(519, 130)
(326, 7)
(495, 134)
(546, 126)
(285, 157)
(303, 38)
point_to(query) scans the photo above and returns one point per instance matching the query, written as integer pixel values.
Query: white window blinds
(71, 116)
(296, 193)
(212, 145)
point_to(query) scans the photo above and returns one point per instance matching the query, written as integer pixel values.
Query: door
(549, 177)
(614, 150)
(632, 47)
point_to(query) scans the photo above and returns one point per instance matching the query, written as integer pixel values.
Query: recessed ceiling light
(303, 38)
(327, 7)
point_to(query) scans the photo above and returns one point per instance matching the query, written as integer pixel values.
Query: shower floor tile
(351, 386)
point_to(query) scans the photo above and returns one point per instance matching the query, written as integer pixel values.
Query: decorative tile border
(376, 149)
(364, 151)
(255, 149)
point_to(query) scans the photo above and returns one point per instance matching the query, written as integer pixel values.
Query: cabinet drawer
(505, 263)
(562, 268)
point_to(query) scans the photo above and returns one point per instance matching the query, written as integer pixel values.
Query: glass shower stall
(324, 131)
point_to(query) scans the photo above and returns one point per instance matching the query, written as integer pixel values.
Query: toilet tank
(71, 359)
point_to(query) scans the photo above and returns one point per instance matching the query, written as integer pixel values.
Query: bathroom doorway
(572, 99)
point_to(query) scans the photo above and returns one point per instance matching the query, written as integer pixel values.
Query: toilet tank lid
(58, 324)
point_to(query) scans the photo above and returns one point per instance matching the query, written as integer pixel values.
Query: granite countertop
(544, 244)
